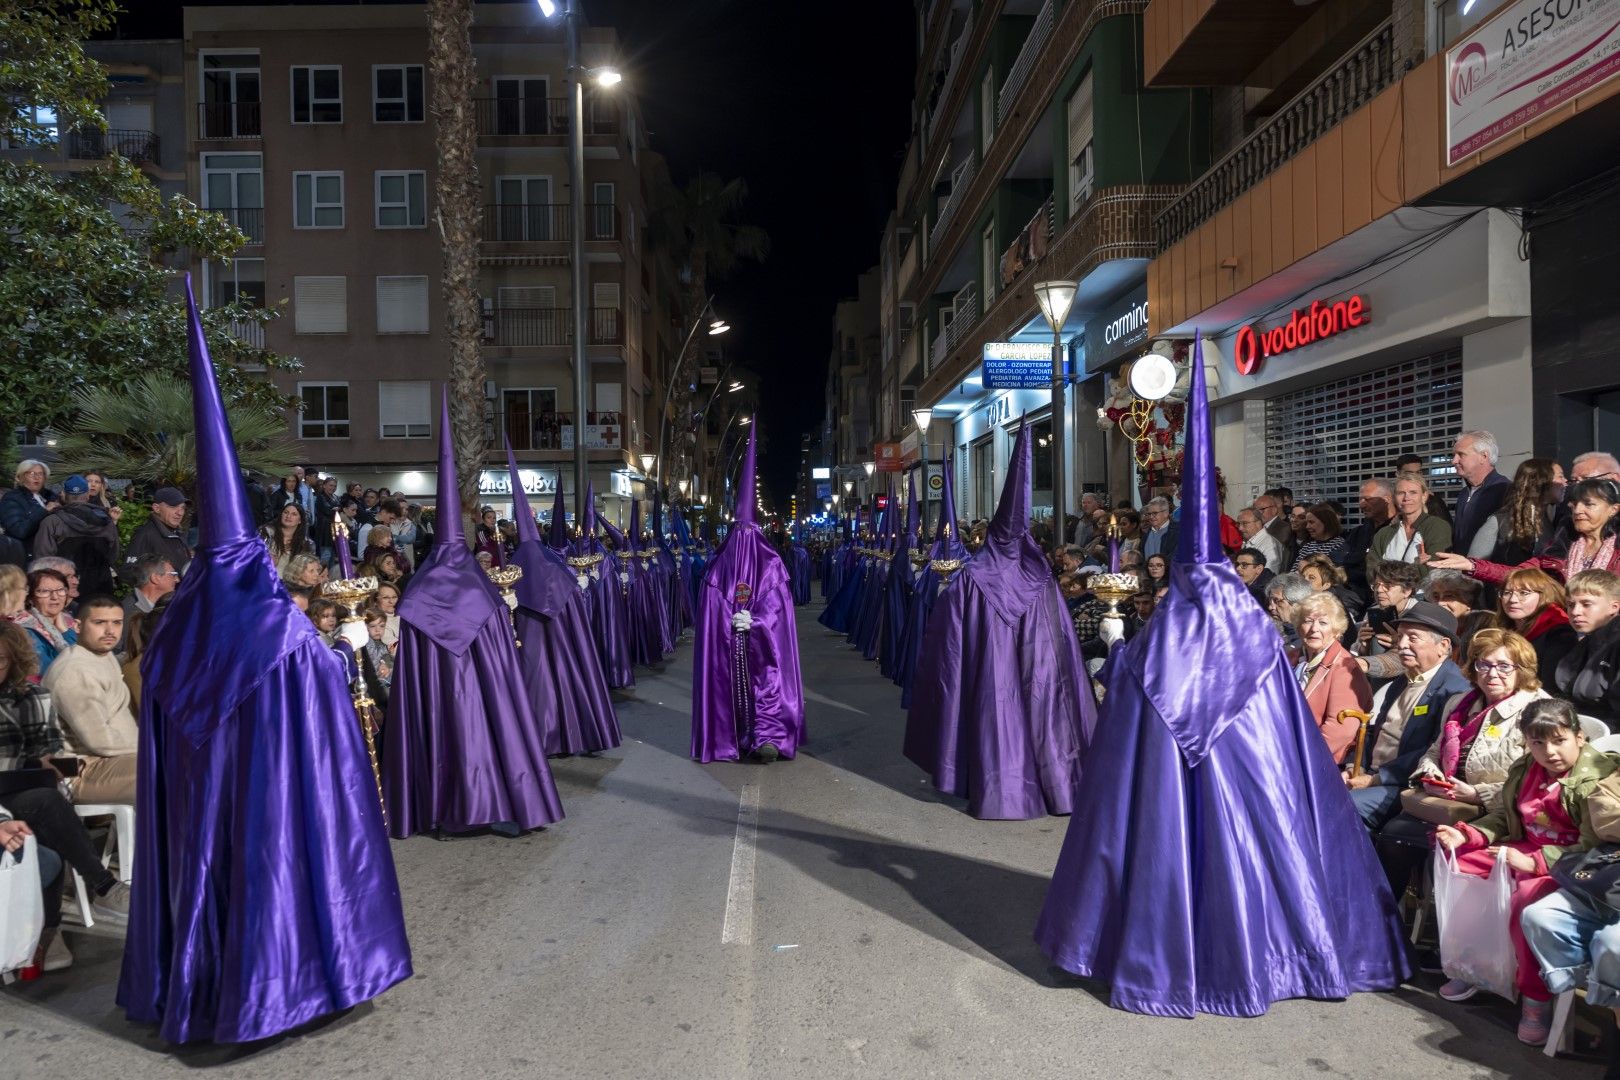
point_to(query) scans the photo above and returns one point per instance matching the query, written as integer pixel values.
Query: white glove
(583, 580)
(624, 577)
(743, 620)
(511, 600)
(1112, 631)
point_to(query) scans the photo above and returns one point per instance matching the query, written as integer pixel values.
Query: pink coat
(1338, 683)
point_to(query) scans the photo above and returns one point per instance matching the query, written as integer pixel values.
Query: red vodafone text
(1304, 326)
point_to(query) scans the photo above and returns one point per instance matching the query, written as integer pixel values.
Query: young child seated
(1542, 811)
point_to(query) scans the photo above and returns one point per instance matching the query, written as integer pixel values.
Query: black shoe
(768, 753)
(1428, 962)
(509, 829)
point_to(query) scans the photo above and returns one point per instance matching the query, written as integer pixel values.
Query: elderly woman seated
(1333, 682)
(1286, 592)
(304, 572)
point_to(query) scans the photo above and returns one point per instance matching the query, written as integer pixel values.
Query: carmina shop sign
(1305, 326)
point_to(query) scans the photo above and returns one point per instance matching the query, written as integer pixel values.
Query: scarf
(1583, 556)
(1455, 736)
(39, 624)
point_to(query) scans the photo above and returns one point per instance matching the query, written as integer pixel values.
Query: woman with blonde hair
(13, 591)
(1330, 677)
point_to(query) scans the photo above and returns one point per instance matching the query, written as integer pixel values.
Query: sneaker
(1535, 1022)
(768, 753)
(1457, 990)
(112, 909)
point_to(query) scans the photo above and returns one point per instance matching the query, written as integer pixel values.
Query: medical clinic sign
(1531, 57)
(1305, 326)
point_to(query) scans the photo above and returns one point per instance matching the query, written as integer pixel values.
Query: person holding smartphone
(1395, 586)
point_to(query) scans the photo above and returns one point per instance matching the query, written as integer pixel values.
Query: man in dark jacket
(82, 533)
(163, 533)
(1474, 457)
(1377, 508)
(1250, 564)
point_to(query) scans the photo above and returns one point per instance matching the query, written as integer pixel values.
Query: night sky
(810, 104)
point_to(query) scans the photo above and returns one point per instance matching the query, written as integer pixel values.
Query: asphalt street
(821, 918)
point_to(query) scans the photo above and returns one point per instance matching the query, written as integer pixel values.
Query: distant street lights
(1056, 298)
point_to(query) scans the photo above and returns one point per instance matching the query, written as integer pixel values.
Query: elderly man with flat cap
(1407, 712)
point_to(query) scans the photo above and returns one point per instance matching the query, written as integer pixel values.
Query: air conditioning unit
(489, 389)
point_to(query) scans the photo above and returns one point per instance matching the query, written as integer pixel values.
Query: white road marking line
(738, 928)
(823, 699)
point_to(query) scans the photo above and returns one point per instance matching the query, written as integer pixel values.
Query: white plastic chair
(1607, 744)
(121, 837)
(1594, 728)
(1561, 1035)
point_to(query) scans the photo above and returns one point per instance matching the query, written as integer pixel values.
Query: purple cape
(1214, 861)
(266, 895)
(1000, 699)
(608, 607)
(464, 747)
(800, 574)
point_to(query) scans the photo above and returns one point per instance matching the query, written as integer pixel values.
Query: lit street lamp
(1056, 298)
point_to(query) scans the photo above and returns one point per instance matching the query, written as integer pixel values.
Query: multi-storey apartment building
(855, 411)
(1365, 155)
(309, 126)
(1037, 154)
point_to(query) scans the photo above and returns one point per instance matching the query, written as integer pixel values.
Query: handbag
(1438, 811)
(1592, 874)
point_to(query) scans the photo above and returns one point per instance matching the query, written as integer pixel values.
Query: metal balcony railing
(140, 147)
(958, 48)
(1039, 32)
(228, 120)
(540, 326)
(548, 222)
(249, 219)
(961, 180)
(250, 334)
(1351, 83)
(543, 116)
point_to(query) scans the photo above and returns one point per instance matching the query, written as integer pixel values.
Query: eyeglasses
(1507, 593)
(1485, 667)
(50, 592)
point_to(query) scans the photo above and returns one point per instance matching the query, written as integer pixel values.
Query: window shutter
(320, 305)
(404, 409)
(1080, 123)
(605, 294)
(402, 305)
(528, 296)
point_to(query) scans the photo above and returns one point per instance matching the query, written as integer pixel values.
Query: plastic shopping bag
(22, 908)
(1474, 915)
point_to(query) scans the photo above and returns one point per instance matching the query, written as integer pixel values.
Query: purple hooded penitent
(557, 534)
(745, 666)
(945, 558)
(464, 747)
(1214, 862)
(1000, 700)
(649, 632)
(868, 626)
(897, 594)
(265, 893)
(561, 670)
(677, 597)
(596, 571)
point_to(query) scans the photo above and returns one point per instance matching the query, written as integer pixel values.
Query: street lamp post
(717, 326)
(923, 417)
(1055, 298)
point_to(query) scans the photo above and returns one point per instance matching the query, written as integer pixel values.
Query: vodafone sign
(1304, 327)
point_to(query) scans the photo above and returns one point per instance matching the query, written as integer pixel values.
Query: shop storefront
(1323, 387)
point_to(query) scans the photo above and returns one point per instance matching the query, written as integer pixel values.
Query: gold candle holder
(350, 595)
(505, 578)
(1114, 589)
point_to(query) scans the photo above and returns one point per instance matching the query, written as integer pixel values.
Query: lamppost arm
(669, 388)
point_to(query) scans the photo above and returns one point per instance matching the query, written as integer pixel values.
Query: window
(520, 106)
(317, 200)
(524, 210)
(320, 305)
(404, 409)
(529, 418)
(402, 304)
(604, 220)
(402, 200)
(227, 282)
(230, 95)
(987, 110)
(317, 95)
(606, 325)
(233, 185)
(989, 263)
(43, 117)
(326, 410)
(526, 315)
(1081, 169)
(396, 94)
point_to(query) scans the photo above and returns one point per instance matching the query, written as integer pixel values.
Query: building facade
(310, 127)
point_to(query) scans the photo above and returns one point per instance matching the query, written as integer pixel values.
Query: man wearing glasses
(153, 577)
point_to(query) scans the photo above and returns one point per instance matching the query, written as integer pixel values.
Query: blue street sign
(1018, 365)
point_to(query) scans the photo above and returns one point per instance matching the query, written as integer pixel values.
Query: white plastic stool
(1561, 1035)
(122, 834)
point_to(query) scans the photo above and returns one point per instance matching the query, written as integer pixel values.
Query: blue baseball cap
(75, 485)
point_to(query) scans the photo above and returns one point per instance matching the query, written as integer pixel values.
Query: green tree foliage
(144, 432)
(88, 293)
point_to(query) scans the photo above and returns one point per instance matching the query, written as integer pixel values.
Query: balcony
(1340, 91)
(250, 334)
(545, 118)
(1214, 42)
(944, 104)
(228, 120)
(961, 180)
(536, 327)
(540, 223)
(1039, 33)
(140, 147)
(249, 219)
(548, 431)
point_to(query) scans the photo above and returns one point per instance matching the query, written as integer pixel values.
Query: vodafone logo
(1304, 326)
(1467, 72)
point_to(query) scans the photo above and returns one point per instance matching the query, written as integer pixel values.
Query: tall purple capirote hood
(557, 535)
(1200, 538)
(222, 511)
(526, 528)
(1012, 512)
(745, 485)
(447, 501)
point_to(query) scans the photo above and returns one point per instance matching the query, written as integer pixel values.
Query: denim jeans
(1576, 942)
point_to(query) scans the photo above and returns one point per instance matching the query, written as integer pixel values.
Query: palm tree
(144, 432)
(696, 225)
(454, 79)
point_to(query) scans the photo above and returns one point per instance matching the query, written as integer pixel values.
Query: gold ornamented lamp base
(1114, 589)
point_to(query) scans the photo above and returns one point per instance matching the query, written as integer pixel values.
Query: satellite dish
(1153, 377)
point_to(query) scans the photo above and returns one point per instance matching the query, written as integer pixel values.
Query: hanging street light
(1056, 298)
